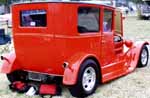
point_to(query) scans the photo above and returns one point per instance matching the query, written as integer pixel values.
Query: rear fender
(71, 72)
(134, 53)
(9, 63)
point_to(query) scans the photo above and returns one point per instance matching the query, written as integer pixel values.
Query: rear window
(88, 19)
(33, 18)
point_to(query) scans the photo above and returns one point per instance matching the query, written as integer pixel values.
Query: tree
(5, 2)
(137, 1)
(2, 1)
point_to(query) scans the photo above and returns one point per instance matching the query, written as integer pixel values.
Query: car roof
(71, 2)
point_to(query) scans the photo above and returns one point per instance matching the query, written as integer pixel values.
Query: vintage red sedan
(77, 44)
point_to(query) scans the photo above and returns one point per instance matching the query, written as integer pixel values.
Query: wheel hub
(89, 79)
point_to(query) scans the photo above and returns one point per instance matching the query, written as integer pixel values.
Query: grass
(134, 85)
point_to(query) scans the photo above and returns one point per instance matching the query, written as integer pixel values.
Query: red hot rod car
(77, 44)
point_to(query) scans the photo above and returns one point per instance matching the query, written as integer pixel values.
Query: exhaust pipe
(65, 65)
(4, 58)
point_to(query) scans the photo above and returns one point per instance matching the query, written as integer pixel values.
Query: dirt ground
(134, 85)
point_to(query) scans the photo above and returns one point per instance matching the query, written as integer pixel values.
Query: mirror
(4, 39)
(118, 39)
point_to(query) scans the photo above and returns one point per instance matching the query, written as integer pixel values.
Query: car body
(76, 41)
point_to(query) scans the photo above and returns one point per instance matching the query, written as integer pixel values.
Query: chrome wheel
(89, 79)
(144, 57)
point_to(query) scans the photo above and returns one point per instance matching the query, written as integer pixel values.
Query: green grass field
(134, 85)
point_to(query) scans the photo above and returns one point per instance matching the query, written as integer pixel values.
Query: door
(107, 38)
(112, 64)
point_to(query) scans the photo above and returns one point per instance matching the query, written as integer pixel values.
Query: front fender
(134, 53)
(9, 63)
(71, 72)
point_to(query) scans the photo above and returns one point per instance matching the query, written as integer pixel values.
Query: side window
(33, 18)
(107, 21)
(118, 20)
(88, 19)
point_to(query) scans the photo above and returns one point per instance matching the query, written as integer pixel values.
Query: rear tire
(88, 78)
(144, 57)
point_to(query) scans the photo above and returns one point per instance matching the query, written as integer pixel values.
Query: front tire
(88, 78)
(144, 56)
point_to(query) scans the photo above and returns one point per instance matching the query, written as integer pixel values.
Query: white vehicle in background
(124, 9)
(7, 19)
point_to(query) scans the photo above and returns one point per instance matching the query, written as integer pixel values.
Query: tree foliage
(136, 1)
(3, 1)
(7, 1)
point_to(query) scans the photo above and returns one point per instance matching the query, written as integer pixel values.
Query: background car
(6, 18)
(144, 10)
